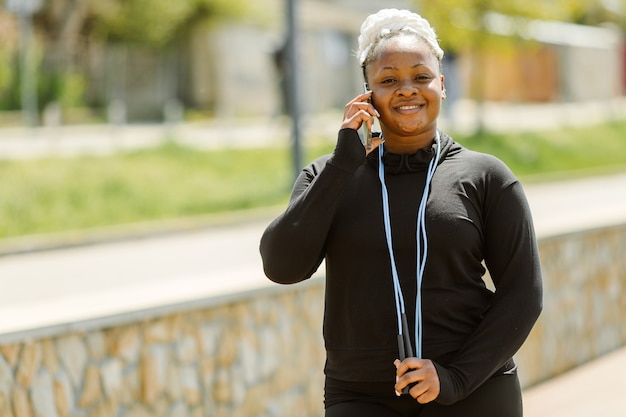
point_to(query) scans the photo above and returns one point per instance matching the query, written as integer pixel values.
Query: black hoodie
(476, 212)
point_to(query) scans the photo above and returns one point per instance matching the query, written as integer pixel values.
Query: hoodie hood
(415, 162)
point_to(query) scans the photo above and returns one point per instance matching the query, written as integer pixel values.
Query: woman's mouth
(410, 108)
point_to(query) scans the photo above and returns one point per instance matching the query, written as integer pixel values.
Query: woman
(410, 327)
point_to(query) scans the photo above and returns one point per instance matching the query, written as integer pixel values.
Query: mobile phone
(366, 131)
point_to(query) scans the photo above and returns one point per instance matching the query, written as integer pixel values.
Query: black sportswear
(476, 212)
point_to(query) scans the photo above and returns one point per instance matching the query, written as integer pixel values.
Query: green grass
(565, 151)
(51, 195)
(171, 181)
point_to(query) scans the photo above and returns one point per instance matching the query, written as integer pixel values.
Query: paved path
(73, 140)
(590, 202)
(92, 281)
(597, 389)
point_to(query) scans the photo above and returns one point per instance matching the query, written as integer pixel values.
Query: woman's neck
(409, 145)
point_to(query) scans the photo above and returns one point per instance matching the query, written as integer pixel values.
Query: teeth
(409, 107)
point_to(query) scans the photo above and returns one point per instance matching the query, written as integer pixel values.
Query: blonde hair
(388, 23)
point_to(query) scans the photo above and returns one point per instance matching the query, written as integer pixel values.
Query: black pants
(500, 396)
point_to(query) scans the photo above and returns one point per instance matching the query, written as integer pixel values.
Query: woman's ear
(443, 88)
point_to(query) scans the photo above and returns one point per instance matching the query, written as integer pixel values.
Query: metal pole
(28, 72)
(293, 102)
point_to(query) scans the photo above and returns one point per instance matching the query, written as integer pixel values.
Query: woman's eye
(424, 78)
(387, 81)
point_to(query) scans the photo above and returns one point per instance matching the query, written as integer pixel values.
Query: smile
(414, 107)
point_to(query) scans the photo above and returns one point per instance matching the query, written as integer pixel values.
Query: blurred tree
(61, 24)
(146, 22)
(602, 11)
(160, 28)
(9, 94)
(156, 23)
(464, 23)
(65, 29)
(479, 25)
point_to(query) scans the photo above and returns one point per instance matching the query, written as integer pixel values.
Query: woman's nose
(407, 88)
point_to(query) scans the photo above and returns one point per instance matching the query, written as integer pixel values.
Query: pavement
(597, 388)
(461, 116)
(78, 285)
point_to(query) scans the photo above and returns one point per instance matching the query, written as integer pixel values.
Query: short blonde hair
(388, 23)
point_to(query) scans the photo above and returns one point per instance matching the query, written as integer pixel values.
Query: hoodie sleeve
(512, 258)
(293, 245)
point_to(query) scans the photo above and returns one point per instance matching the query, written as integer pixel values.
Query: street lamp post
(293, 101)
(25, 10)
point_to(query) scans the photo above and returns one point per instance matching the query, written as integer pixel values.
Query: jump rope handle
(405, 349)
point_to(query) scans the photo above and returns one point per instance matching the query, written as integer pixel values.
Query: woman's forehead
(406, 48)
(405, 43)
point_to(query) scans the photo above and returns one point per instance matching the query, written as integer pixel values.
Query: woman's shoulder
(315, 167)
(484, 159)
(482, 165)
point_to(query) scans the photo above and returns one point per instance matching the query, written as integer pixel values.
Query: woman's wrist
(349, 152)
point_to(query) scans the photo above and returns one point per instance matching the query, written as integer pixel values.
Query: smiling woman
(407, 90)
(405, 229)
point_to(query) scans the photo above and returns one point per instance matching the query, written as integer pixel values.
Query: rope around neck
(422, 254)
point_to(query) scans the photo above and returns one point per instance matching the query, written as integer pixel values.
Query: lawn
(51, 195)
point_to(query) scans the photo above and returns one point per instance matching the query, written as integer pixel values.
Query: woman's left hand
(422, 374)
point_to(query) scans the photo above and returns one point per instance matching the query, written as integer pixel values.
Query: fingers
(362, 97)
(359, 111)
(425, 392)
(408, 364)
(421, 375)
(375, 143)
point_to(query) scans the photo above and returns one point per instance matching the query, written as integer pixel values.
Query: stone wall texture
(584, 314)
(261, 355)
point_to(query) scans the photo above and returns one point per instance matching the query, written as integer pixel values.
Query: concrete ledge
(134, 304)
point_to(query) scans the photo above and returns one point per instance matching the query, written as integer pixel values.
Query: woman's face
(407, 90)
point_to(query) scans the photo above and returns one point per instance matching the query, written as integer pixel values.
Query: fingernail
(397, 392)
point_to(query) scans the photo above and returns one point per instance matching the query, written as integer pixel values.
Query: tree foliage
(65, 30)
(463, 24)
(155, 22)
(478, 26)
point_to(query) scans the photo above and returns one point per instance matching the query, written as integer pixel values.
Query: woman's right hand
(359, 111)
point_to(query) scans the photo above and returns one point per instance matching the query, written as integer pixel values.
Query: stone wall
(584, 307)
(259, 356)
(262, 355)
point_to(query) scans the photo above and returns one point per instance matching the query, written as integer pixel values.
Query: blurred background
(71, 62)
(85, 77)
(146, 144)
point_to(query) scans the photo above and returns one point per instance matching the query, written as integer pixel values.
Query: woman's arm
(512, 257)
(292, 246)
